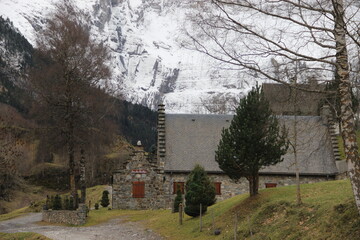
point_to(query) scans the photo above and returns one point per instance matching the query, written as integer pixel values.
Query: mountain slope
(149, 60)
(15, 56)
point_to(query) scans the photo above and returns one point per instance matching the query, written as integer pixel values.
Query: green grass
(22, 236)
(113, 155)
(14, 214)
(328, 212)
(103, 215)
(93, 194)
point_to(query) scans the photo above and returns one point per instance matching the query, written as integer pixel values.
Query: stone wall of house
(229, 188)
(139, 169)
(77, 217)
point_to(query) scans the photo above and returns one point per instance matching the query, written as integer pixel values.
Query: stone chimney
(161, 143)
(325, 113)
(139, 147)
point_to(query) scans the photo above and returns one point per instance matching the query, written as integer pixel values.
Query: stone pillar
(161, 143)
(325, 113)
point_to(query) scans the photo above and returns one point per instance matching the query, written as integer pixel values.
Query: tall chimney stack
(161, 143)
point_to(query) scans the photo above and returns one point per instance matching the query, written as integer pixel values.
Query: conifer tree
(199, 190)
(57, 205)
(66, 203)
(253, 140)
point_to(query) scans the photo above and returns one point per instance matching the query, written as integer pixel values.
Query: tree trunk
(253, 185)
(73, 189)
(82, 177)
(71, 154)
(347, 114)
(297, 169)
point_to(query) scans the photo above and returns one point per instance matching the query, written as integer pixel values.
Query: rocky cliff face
(150, 62)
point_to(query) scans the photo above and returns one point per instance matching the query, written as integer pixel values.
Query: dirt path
(114, 229)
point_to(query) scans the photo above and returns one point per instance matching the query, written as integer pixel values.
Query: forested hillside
(27, 151)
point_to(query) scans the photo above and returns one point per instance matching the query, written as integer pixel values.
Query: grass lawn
(14, 214)
(328, 212)
(93, 194)
(22, 236)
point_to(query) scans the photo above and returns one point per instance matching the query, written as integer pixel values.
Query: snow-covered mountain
(149, 61)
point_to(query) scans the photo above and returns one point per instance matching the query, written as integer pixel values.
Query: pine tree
(57, 205)
(71, 203)
(253, 140)
(66, 203)
(199, 190)
(105, 199)
(178, 199)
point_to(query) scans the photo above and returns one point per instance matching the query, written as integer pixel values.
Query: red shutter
(138, 189)
(217, 188)
(178, 184)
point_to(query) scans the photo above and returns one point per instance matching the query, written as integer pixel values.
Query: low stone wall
(77, 217)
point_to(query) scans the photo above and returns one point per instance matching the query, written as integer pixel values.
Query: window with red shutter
(217, 188)
(181, 185)
(138, 189)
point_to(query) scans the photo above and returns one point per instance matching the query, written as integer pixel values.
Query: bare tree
(267, 37)
(10, 139)
(294, 145)
(220, 104)
(68, 83)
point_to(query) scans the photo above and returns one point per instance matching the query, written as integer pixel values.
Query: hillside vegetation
(29, 147)
(22, 236)
(328, 212)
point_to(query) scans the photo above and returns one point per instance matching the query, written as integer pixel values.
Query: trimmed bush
(105, 199)
(199, 190)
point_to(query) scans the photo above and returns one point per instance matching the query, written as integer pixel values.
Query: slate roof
(193, 138)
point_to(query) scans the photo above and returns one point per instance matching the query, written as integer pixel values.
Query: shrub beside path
(113, 229)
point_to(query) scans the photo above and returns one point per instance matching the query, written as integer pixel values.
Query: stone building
(285, 100)
(185, 140)
(140, 185)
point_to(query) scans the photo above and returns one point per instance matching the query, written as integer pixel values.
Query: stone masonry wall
(229, 188)
(77, 217)
(139, 169)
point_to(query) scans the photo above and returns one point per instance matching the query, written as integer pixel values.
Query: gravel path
(114, 229)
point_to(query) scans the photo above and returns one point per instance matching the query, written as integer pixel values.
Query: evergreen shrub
(199, 190)
(57, 205)
(105, 199)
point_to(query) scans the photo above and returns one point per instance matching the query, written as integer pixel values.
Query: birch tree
(268, 38)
